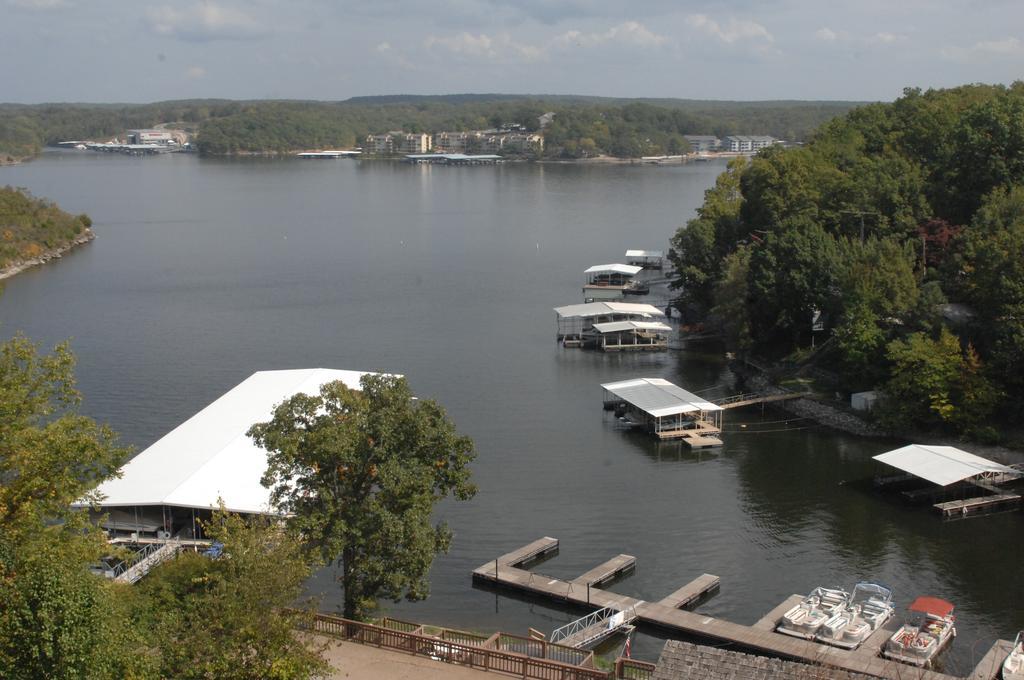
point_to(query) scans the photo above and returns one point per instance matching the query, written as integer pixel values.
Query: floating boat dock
(666, 410)
(951, 470)
(669, 614)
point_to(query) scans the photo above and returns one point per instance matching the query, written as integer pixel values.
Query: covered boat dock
(951, 470)
(574, 320)
(648, 259)
(166, 492)
(610, 282)
(665, 410)
(627, 336)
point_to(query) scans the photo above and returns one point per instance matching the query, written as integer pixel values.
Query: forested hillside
(581, 126)
(29, 226)
(891, 213)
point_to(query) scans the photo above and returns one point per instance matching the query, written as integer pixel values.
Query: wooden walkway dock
(755, 398)
(692, 592)
(758, 639)
(609, 571)
(980, 504)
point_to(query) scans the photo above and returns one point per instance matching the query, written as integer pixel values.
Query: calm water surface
(204, 271)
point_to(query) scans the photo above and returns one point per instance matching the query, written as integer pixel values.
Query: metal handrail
(573, 627)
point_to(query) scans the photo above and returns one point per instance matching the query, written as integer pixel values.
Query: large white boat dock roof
(209, 456)
(601, 308)
(627, 269)
(618, 326)
(658, 397)
(942, 465)
(645, 253)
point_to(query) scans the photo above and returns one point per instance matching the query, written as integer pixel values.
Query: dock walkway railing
(474, 651)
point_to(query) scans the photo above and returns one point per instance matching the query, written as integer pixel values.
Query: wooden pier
(692, 592)
(738, 400)
(978, 505)
(666, 615)
(609, 571)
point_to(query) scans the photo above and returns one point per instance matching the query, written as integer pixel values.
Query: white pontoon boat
(869, 606)
(806, 618)
(928, 631)
(1013, 667)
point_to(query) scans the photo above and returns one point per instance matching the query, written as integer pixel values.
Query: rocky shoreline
(52, 254)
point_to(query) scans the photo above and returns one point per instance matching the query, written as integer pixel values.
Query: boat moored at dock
(927, 632)
(611, 282)
(821, 605)
(1013, 666)
(868, 608)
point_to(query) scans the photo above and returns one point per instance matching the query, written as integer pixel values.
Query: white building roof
(627, 269)
(645, 253)
(616, 326)
(599, 308)
(659, 397)
(942, 465)
(209, 456)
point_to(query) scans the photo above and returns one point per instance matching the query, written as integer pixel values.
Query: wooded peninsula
(887, 251)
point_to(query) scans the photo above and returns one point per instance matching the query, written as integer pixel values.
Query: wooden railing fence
(499, 653)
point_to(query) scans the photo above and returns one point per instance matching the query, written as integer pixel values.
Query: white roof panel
(599, 308)
(645, 253)
(616, 326)
(627, 269)
(659, 397)
(209, 456)
(942, 465)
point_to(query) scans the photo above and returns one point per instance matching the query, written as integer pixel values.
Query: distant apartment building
(487, 141)
(701, 143)
(746, 143)
(398, 142)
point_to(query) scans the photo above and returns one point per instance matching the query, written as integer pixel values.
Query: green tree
(934, 383)
(792, 275)
(359, 472)
(57, 620)
(228, 617)
(731, 299)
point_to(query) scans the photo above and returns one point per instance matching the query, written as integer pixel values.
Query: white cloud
(1007, 46)
(627, 33)
(887, 38)
(986, 50)
(827, 34)
(204, 22)
(484, 46)
(732, 31)
(39, 4)
(195, 72)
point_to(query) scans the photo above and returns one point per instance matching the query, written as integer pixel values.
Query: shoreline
(10, 270)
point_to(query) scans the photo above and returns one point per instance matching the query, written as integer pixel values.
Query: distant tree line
(890, 213)
(581, 126)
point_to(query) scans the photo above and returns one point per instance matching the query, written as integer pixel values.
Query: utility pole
(861, 214)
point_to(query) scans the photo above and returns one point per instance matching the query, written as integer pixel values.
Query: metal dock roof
(659, 397)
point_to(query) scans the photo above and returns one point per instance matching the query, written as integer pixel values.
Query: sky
(141, 51)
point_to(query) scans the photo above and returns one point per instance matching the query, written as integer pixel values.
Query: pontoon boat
(929, 629)
(869, 607)
(1013, 667)
(806, 618)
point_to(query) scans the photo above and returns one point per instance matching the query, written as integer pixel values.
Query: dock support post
(588, 593)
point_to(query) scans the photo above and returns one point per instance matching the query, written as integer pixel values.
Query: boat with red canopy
(929, 628)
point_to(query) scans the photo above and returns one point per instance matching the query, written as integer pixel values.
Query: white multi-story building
(398, 142)
(701, 143)
(746, 143)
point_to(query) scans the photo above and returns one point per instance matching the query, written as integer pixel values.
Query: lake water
(204, 271)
